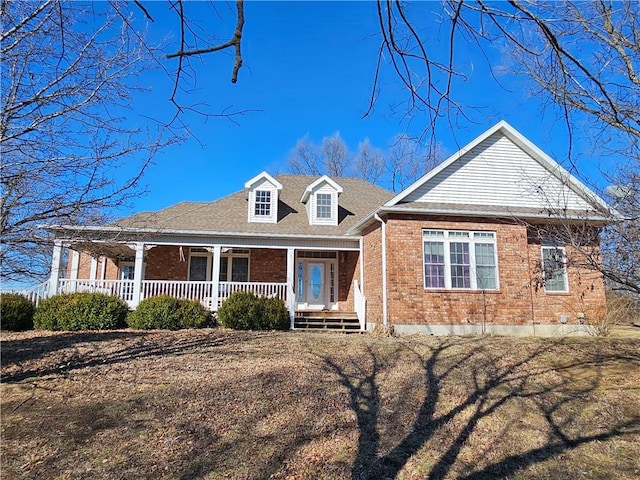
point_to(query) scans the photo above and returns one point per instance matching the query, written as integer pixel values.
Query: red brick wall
(163, 263)
(372, 257)
(348, 271)
(84, 267)
(586, 290)
(268, 265)
(111, 271)
(516, 303)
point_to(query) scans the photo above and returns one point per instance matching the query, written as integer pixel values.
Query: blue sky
(308, 70)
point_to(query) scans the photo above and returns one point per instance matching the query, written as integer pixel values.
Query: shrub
(165, 312)
(276, 314)
(246, 311)
(81, 311)
(16, 312)
(620, 309)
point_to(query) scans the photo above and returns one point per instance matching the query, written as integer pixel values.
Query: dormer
(321, 200)
(262, 198)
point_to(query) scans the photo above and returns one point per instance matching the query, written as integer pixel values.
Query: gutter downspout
(385, 315)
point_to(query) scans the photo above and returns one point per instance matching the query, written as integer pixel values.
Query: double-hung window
(554, 268)
(263, 203)
(323, 205)
(457, 259)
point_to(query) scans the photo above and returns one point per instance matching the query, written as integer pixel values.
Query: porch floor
(327, 320)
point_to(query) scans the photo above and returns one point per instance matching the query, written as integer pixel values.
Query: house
(466, 249)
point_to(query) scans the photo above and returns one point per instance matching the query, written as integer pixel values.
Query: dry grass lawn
(215, 404)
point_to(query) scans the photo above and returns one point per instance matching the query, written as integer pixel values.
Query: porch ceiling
(111, 250)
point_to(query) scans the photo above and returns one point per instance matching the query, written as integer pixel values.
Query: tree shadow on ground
(489, 384)
(79, 350)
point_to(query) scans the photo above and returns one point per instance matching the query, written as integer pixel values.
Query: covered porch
(312, 276)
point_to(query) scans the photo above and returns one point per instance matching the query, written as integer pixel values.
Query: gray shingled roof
(229, 214)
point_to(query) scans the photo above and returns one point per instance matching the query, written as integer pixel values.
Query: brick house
(465, 249)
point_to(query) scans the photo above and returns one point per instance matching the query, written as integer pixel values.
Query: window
(263, 203)
(198, 268)
(234, 266)
(323, 205)
(460, 259)
(554, 269)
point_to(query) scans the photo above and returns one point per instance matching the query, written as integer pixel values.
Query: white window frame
(262, 204)
(446, 237)
(231, 254)
(197, 252)
(565, 275)
(324, 195)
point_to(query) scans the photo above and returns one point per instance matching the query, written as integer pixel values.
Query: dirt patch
(215, 403)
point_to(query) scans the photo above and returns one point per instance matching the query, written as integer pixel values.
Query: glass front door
(315, 291)
(316, 284)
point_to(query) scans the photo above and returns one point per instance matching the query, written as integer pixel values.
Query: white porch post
(93, 271)
(291, 296)
(75, 264)
(215, 277)
(361, 262)
(56, 260)
(103, 267)
(137, 274)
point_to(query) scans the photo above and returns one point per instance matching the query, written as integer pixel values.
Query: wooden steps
(327, 320)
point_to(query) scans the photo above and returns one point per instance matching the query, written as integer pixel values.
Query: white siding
(498, 172)
(312, 210)
(265, 185)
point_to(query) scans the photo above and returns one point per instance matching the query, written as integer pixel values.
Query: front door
(127, 272)
(316, 284)
(315, 291)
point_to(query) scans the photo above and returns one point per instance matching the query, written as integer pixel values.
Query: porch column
(137, 274)
(56, 260)
(93, 271)
(215, 277)
(291, 296)
(75, 264)
(103, 267)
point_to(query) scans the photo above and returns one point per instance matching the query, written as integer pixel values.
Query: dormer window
(263, 203)
(262, 198)
(323, 205)
(321, 199)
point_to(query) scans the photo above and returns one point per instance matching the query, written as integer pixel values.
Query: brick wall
(84, 267)
(517, 302)
(164, 263)
(268, 265)
(348, 271)
(372, 257)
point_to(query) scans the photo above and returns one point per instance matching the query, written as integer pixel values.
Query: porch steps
(323, 320)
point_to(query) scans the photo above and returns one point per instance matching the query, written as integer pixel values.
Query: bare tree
(68, 154)
(621, 239)
(580, 59)
(369, 162)
(336, 158)
(330, 158)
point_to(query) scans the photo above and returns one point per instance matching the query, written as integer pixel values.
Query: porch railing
(34, 294)
(190, 290)
(119, 288)
(258, 288)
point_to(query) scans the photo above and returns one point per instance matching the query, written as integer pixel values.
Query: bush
(165, 312)
(16, 312)
(81, 311)
(246, 311)
(620, 309)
